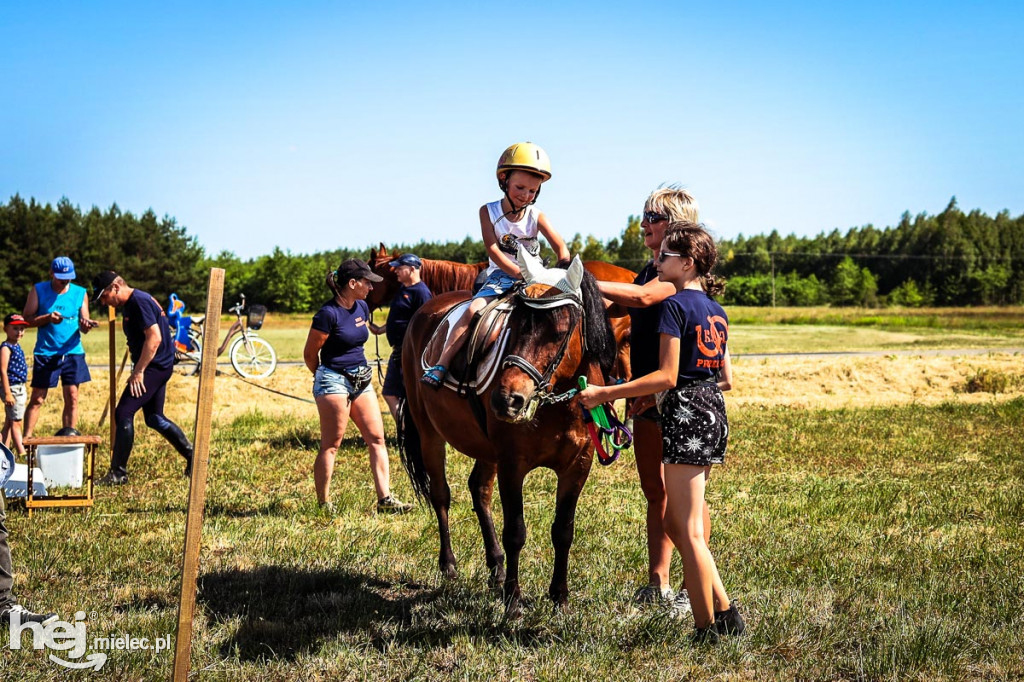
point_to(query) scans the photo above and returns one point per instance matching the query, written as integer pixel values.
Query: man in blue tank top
(59, 309)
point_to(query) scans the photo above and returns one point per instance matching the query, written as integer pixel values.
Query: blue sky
(317, 125)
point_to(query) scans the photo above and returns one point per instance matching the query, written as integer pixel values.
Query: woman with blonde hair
(643, 299)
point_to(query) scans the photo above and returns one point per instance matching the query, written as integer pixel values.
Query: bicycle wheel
(253, 358)
(188, 362)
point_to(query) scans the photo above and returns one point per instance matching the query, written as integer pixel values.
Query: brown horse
(442, 276)
(547, 350)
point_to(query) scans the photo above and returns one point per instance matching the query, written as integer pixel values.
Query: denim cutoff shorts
(497, 283)
(328, 382)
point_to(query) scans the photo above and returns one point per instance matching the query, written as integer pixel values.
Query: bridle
(542, 394)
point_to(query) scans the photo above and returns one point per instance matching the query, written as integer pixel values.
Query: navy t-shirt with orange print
(141, 311)
(346, 330)
(407, 301)
(702, 328)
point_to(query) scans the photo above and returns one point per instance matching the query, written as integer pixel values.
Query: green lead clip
(598, 413)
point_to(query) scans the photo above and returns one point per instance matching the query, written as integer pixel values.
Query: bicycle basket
(256, 313)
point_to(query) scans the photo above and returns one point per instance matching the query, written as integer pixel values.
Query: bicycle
(251, 356)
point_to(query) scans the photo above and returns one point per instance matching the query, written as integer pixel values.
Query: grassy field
(869, 518)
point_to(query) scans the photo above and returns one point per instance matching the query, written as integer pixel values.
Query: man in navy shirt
(412, 294)
(152, 350)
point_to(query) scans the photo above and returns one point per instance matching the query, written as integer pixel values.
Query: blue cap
(407, 259)
(63, 268)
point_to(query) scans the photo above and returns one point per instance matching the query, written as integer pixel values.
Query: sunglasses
(665, 255)
(652, 217)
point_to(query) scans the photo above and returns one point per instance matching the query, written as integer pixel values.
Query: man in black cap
(412, 294)
(152, 349)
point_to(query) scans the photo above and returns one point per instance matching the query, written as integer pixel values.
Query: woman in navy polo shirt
(342, 381)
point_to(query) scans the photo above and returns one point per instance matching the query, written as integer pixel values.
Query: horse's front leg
(513, 535)
(563, 528)
(481, 486)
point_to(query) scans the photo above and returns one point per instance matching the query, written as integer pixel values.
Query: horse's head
(558, 329)
(382, 292)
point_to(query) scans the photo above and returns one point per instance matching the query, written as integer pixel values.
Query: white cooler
(62, 465)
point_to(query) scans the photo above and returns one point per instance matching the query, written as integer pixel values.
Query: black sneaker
(730, 622)
(391, 505)
(706, 636)
(113, 479)
(26, 616)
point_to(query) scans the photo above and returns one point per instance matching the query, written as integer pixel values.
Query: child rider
(505, 224)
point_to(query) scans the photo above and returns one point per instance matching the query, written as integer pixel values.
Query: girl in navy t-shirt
(342, 382)
(694, 368)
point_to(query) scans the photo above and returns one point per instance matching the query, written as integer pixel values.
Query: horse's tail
(411, 451)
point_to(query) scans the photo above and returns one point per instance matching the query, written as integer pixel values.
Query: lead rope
(604, 427)
(376, 350)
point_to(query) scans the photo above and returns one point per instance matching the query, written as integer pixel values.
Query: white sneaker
(652, 594)
(681, 607)
(26, 616)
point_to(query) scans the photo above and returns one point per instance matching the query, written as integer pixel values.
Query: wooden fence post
(197, 488)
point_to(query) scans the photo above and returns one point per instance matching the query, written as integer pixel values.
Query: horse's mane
(444, 275)
(598, 334)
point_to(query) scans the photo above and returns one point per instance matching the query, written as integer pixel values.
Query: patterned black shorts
(694, 428)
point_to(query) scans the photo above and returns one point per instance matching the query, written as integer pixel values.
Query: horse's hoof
(496, 579)
(449, 572)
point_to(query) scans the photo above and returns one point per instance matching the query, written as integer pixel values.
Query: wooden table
(43, 501)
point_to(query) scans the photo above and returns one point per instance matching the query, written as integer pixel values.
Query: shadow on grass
(290, 611)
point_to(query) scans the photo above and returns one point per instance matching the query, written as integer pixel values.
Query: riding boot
(124, 440)
(173, 434)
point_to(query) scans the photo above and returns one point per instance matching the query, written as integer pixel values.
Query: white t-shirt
(509, 233)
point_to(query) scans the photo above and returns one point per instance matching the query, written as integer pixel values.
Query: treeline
(952, 258)
(154, 254)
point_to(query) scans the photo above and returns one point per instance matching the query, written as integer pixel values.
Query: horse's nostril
(516, 402)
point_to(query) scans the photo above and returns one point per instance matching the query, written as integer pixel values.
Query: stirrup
(434, 376)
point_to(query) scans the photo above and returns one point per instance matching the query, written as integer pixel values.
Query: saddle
(476, 364)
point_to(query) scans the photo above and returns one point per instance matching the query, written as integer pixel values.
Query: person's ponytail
(713, 286)
(331, 283)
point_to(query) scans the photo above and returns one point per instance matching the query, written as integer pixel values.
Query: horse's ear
(530, 265)
(383, 249)
(574, 275)
(373, 255)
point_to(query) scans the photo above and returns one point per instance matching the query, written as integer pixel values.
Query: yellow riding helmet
(525, 156)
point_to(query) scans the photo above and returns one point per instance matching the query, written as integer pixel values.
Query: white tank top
(510, 233)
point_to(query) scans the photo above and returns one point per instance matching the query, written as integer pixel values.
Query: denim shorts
(497, 283)
(328, 382)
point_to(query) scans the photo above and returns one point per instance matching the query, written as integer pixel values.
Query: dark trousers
(152, 405)
(6, 576)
